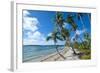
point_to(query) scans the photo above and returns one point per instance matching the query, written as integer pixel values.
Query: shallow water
(36, 51)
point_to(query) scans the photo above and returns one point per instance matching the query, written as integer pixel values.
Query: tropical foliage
(64, 34)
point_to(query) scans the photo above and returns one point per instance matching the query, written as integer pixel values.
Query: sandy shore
(67, 53)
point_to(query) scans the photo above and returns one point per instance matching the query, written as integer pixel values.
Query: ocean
(31, 52)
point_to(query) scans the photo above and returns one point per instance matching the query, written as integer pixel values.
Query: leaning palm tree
(60, 21)
(54, 36)
(71, 21)
(80, 17)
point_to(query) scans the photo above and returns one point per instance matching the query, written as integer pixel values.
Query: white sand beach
(67, 53)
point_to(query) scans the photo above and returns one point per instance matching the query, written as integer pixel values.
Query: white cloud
(34, 36)
(65, 24)
(30, 23)
(31, 20)
(41, 42)
(36, 42)
(25, 13)
(78, 32)
(49, 34)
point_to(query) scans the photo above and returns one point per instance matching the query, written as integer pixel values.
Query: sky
(37, 25)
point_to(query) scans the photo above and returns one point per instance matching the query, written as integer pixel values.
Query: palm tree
(59, 20)
(80, 16)
(54, 36)
(71, 21)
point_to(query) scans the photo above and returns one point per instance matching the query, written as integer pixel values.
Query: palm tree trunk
(74, 52)
(69, 44)
(59, 52)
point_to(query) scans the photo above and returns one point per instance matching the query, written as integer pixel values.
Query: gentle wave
(37, 51)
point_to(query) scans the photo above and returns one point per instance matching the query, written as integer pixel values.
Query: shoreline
(67, 53)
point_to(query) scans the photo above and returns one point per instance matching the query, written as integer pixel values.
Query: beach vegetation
(82, 44)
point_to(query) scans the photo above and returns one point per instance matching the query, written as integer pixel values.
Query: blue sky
(37, 25)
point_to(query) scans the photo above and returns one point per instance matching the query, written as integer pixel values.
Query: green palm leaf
(71, 21)
(48, 38)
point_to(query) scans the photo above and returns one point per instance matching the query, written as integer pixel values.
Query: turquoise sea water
(36, 51)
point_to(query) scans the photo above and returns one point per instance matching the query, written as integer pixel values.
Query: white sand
(67, 53)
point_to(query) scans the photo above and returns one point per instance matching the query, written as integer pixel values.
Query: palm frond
(48, 38)
(71, 21)
(65, 32)
(60, 38)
